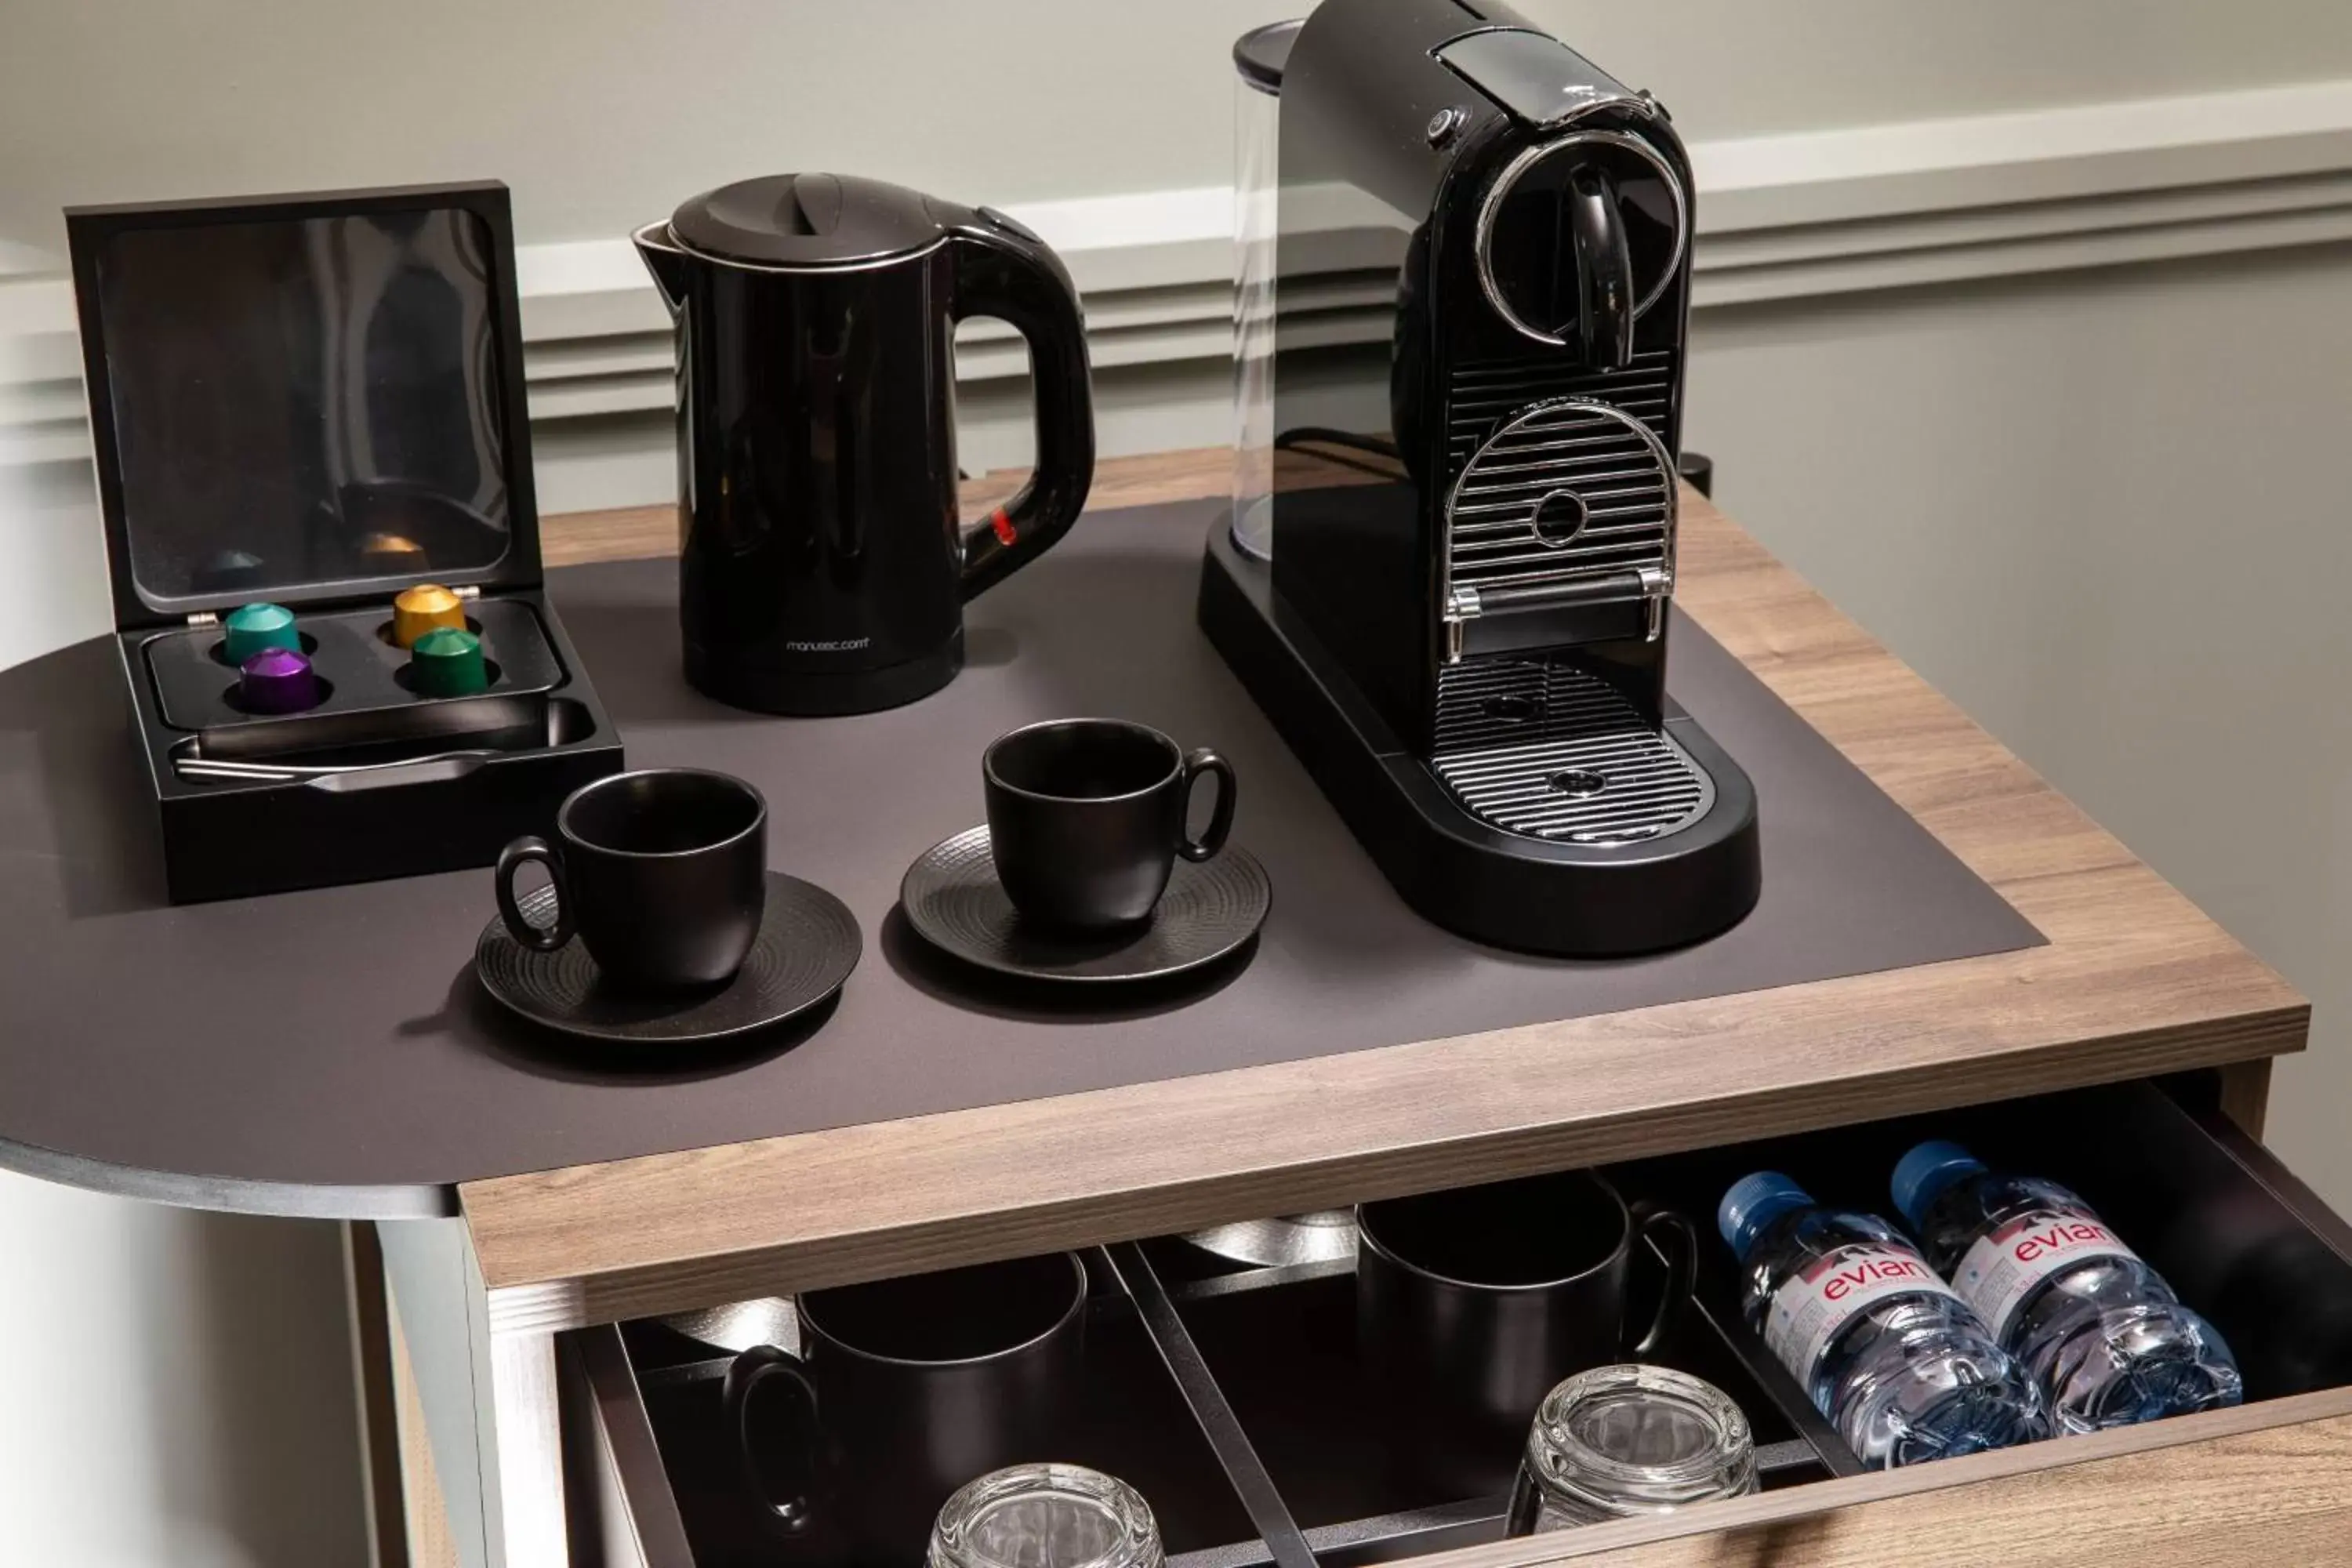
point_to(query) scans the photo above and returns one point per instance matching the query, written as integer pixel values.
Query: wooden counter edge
(2134, 982)
(2190, 1492)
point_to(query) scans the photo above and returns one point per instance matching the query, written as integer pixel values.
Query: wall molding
(1781, 218)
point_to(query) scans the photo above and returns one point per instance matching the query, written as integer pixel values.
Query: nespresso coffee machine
(1463, 628)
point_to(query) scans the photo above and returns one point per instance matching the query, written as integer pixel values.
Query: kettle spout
(666, 261)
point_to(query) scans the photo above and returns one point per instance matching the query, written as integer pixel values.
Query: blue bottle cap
(1754, 1201)
(1921, 1176)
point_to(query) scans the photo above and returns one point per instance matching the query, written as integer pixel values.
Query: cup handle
(513, 859)
(744, 1375)
(1221, 816)
(1681, 1255)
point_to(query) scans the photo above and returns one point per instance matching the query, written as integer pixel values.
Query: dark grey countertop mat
(335, 1039)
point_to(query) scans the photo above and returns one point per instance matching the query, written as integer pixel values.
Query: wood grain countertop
(2135, 981)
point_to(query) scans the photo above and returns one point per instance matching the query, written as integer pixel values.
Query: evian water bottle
(2099, 1329)
(1899, 1364)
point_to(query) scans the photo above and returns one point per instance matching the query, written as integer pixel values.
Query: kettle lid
(806, 220)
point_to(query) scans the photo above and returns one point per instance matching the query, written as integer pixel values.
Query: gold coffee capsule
(387, 553)
(420, 609)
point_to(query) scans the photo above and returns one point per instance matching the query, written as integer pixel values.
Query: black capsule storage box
(317, 400)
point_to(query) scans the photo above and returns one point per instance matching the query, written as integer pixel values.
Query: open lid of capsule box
(314, 472)
(311, 447)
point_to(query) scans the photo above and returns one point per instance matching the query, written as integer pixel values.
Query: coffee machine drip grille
(1545, 750)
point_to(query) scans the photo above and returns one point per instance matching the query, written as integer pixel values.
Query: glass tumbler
(1045, 1516)
(1622, 1442)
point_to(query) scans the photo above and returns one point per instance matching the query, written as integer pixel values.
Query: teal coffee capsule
(257, 626)
(447, 662)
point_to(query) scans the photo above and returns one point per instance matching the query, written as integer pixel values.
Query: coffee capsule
(420, 609)
(447, 662)
(253, 627)
(391, 554)
(278, 680)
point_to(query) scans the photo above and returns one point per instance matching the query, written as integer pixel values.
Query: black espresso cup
(1472, 1304)
(906, 1390)
(662, 873)
(1085, 818)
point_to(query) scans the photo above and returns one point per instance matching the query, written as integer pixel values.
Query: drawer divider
(1259, 1496)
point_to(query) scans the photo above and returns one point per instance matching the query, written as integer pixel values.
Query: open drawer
(1232, 1398)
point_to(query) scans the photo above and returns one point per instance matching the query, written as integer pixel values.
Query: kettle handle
(1004, 271)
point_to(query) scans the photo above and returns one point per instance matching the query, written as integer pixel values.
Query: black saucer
(954, 901)
(808, 943)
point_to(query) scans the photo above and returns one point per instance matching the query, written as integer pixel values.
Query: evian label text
(1813, 1305)
(2004, 1267)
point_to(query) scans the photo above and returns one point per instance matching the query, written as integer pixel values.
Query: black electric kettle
(823, 565)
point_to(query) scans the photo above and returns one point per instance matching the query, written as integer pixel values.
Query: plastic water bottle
(2100, 1330)
(1882, 1347)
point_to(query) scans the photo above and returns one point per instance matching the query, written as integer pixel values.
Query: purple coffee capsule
(278, 680)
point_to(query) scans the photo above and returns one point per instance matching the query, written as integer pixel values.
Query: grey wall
(2105, 514)
(2101, 511)
(603, 114)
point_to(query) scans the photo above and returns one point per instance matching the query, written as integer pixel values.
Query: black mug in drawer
(902, 1392)
(1474, 1303)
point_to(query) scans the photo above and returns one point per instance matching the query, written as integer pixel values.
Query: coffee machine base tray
(1509, 889)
